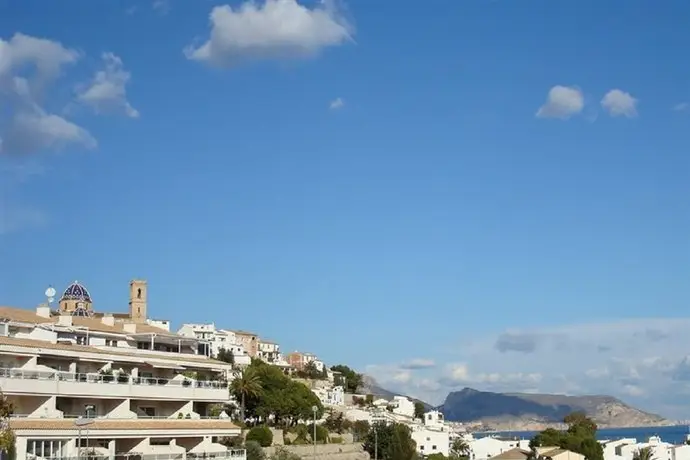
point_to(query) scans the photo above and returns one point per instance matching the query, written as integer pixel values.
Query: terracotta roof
(30, 343)
(94, 323)
(512, 454)
(124, 424)
(241, 332)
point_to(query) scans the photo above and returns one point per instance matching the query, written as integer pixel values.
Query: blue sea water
(672, 434)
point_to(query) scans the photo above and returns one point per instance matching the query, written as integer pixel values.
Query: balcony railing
(234, 454)
(109, 379)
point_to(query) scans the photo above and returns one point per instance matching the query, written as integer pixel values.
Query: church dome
(76, 291)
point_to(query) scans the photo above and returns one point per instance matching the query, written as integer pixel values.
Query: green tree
(419, 410)
(281, 398)
(336, 422)
(7, 438)
(254, 451)
(261, 434)
(460, 448)
(580, 437)
(352, 380)
(644, 453)
(390, 441)
(246, 385)
(226, 356)
(360, 429)
(436, 456)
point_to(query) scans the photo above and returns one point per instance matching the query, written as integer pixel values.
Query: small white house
(402, 406)
(431, 441)
(333, 397)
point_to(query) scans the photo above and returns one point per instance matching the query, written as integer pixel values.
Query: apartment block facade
(136, 389)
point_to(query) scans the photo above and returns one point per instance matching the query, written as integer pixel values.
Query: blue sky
(443, 194)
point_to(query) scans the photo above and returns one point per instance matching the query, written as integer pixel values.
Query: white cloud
(161, 6)
(38, 130)
(681, 107)
(29, 127)
(562, 102)
(45, 55)
(337, 103)
(272, 29)
(107, 91)
(619, 103)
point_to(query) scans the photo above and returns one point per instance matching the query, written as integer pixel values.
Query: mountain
(526, 411)
(371, 387)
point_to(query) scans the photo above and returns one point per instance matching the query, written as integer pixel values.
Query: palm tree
(245, 384)
(460, 448)
(645, 453)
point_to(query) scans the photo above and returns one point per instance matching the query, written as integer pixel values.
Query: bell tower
(137, 301)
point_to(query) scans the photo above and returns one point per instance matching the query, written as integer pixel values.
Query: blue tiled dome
(76, 291)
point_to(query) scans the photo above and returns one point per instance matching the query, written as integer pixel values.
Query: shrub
(282, 453)
(254, 451)
(261, 434)
(321, 433)
(336, 440)
(232, 442)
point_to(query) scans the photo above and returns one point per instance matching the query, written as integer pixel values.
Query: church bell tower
(137, 301)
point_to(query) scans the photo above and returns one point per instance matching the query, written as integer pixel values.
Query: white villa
(625, 449)
(109, 385)
(213, 340)
(433, 435)
(331, 396)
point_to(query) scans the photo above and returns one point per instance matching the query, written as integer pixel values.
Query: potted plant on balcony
(122, 377)
(106, 375)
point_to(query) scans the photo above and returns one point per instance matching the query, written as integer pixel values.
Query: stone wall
(325, 451)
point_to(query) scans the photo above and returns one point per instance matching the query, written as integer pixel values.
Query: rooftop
(43, 345)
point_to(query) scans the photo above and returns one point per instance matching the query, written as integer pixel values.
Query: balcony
(28, 382)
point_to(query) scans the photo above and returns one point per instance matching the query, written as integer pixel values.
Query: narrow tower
(137, 301)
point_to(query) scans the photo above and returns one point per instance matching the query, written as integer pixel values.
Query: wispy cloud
(337, 103)
(643, 361)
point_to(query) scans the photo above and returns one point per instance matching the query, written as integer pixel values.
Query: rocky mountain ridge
(526, 411)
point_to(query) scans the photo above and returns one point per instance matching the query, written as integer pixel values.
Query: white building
(490, 446)
(402, 406)
(213, 340)
(139, 389)
(625, 449)
(269, 352)
(331, 396)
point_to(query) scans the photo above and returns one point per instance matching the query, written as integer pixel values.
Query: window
(433, 447)
(45, 448)
(110, 343)
(81, 340)
(159, 441)
(139, 293)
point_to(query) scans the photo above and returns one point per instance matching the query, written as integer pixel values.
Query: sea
(673, 434)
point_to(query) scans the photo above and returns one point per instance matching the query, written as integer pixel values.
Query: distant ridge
(371, 386)
(526, 411)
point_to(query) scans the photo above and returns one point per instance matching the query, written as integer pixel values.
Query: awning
(161, 365)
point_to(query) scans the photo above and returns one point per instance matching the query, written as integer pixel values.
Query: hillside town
(82, 383)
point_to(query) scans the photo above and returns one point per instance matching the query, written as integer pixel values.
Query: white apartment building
(625, 449)
(269, 351)
(433, 436)
(136, 389)
(212, 340)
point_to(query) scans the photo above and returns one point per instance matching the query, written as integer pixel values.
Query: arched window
(139, 293)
